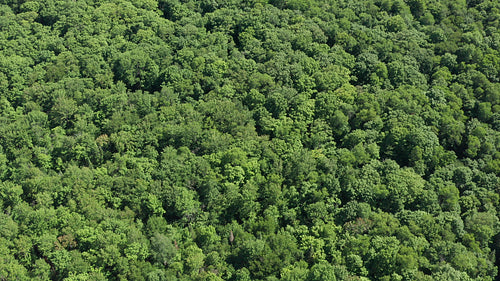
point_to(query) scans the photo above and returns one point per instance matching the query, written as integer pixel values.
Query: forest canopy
(250, 140)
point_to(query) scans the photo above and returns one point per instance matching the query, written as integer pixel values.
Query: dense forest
(249, 140)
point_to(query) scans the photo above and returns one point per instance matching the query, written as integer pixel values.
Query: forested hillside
(249, 140)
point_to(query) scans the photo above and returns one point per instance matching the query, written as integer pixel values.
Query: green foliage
(249, 140)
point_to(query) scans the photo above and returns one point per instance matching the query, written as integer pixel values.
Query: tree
(383, 256)
(163, 249)
(321, 271)
(193, 260)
